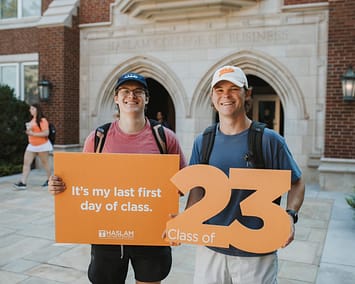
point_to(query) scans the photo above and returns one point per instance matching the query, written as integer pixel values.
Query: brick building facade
(294, 53)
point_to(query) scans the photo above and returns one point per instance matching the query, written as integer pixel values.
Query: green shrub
(13, 115)
(351, 200)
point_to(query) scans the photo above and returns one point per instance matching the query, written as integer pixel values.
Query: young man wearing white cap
(231, 97)
(131, 133)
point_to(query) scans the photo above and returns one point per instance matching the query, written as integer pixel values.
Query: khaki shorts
(216, 268)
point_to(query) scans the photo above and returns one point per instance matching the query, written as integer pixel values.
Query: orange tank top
(36, 140)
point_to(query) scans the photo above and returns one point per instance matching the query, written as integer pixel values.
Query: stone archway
(156, 72)
(296, 118)
(260, 65)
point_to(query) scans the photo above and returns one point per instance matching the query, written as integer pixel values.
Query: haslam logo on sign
(115, 198)
(116, 234)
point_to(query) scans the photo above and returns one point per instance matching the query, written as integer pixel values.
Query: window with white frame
(23, 78)
(9, 76)
(10, 9)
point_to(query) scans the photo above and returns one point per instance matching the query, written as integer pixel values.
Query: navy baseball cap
(131, 77)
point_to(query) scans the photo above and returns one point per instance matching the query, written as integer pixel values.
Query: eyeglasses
(123, 92)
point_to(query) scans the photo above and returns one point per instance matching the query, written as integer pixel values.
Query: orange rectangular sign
(115, 198)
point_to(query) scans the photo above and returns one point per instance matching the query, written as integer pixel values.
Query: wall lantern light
(348, 84)
(45, 88)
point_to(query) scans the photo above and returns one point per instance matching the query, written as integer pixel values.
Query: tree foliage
(13, 116)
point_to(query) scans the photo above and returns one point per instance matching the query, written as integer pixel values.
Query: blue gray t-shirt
(229, 152)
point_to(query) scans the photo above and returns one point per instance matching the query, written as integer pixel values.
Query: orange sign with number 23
(188, 226)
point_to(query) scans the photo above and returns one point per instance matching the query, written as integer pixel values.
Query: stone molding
(337, 174)
(168, 10)
(337, 165)
(59, 13)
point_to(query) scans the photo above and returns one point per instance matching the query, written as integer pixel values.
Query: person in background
(130, 133)
(268, 118)
(38, 145)
(161, 119)
(231, 98)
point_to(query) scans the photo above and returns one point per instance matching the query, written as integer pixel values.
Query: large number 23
(188, 227)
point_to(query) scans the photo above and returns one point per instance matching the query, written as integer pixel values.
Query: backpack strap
(207, 143)
(100, 137)
(159, 135)
(157, 129)
(255, 149)
(255, 153)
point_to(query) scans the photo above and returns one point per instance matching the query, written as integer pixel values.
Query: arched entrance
(266, 106)
(160, 100)
(170, 98)
(266, 74)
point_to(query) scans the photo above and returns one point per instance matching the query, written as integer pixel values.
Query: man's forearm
(295, 196)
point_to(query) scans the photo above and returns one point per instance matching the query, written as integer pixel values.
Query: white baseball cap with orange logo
(232, 74)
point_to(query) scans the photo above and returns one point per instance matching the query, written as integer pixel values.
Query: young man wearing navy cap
(231, 98)
(131, 133)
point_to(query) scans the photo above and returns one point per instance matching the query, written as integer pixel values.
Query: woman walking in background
(38, 144)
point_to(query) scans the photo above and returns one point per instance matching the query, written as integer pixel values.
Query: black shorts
(109, 266)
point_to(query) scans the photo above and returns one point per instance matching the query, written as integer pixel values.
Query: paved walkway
(323, 251)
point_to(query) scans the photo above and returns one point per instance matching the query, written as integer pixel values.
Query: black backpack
(255, 151)
(157, 129)
(52, 133)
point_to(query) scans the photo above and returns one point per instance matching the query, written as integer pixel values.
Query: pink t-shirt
(142, 142)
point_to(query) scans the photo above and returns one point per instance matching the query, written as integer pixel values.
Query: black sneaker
(45, 184)
(20, 185)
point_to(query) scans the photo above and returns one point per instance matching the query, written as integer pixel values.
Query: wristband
(293, 214)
